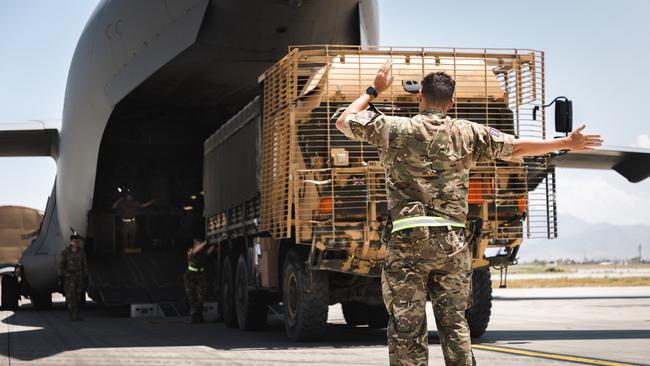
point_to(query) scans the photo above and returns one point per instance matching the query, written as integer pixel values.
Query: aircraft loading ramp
(129, 278)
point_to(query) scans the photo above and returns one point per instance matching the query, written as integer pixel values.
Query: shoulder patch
(494, 132)
(365, 117)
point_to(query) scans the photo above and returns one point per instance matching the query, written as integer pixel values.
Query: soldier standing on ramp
(195, 279)
(74, 270)
(128, 207)
(427, 160)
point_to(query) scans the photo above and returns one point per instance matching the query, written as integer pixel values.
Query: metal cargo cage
(322, 189)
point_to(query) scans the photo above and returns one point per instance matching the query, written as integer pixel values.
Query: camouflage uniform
(427, 160)
(73, 269)
(196, 284)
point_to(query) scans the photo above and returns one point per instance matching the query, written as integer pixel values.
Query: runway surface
(598, 326)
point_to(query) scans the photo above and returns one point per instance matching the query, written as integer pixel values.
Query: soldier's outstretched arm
(199, 248)
(116, 203)
(382, 81)
(147, 204)
(575, 141)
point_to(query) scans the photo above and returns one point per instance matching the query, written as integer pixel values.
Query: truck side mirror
(563, 116)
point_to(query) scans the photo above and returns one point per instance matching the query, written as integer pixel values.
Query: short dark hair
(438, 87)
(75, 237)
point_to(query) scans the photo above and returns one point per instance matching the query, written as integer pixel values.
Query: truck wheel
(227, 294)
(41, 301)
(377, 316)
(9, 292)
(478, 315)
(353, 313)
(305, 295)
(250, 305)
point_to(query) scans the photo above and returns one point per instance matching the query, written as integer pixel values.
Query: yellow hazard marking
(552, 356)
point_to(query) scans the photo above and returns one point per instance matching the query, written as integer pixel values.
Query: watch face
(371, 91)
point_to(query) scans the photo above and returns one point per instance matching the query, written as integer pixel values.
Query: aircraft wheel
(227, 294)
(478, 315)
(305, 295)
(250, 306)
(9, 292)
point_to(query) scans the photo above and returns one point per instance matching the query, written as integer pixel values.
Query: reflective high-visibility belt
(418, 221)
(194, 269)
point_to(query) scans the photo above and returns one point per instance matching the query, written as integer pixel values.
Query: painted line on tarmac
(552, 356)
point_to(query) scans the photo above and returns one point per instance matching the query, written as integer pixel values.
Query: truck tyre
(250, 306)
(377, 316)
(9, 292)
(227, 294)
(41, 301)
(353, 313)
(305, 295)
(478, 314)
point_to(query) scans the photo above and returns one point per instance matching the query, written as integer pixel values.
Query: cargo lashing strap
(419, 221)
(194, 269)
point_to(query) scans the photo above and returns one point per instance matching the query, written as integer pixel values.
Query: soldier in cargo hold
(195, 278)
(427, 160)
(128, 209)
(74, 271)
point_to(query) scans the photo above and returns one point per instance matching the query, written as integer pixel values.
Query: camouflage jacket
(73, 264)
(196, 260)
(427, 158)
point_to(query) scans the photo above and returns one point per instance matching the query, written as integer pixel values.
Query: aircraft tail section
(40, 258)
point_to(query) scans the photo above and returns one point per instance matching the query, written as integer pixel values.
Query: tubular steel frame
(327, 191)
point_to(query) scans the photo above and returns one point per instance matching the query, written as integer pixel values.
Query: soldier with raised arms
(427, 159)
(195, 280)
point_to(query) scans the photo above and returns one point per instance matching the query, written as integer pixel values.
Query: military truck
(297, 210)
(18, 227)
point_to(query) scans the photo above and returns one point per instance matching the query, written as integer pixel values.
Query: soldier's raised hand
(384, 78)
(577, 141)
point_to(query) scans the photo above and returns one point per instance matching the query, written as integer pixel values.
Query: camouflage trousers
(427, 263)
(128, 234)
(74, 290)
(196, 287)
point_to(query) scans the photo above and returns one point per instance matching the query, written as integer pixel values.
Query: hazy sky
(596, 53)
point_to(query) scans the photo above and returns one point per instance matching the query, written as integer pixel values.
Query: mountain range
(579, 240)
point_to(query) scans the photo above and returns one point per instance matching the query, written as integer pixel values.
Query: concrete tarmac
(598, 326)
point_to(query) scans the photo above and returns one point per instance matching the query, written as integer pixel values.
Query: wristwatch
(372, 91)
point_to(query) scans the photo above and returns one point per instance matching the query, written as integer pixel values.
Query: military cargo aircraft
(148, 83)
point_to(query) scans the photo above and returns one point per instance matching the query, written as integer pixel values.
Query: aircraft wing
(41, 142)
(633, 164)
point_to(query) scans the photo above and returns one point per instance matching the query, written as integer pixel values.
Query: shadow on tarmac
(32, 335)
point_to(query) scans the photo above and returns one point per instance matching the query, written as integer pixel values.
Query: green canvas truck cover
(232, 161)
